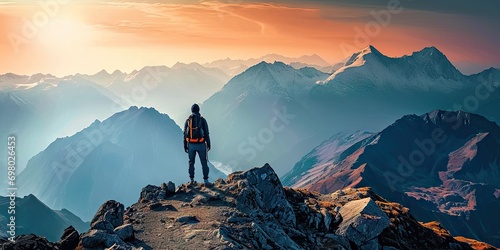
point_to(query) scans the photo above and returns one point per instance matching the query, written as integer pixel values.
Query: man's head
(195, 108)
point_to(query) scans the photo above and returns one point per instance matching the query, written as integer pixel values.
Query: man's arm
(185, 128)
(207, 133)
(184, 136)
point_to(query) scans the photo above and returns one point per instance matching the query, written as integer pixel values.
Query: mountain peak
(31, 197)
(370, 49)
(452, 117)
(178, 65)
(426, 65)
(264, 64)
(280, 64)
(193, 65)
(150, 110)
(360, 57)
(159, 68)
(457, 123)
(430, 52)
(431, 49)
(314, 59)
(117, 72)
(134, 114)
(275, 78)
(102, 73)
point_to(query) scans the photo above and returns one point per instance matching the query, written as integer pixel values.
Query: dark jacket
(204, 126)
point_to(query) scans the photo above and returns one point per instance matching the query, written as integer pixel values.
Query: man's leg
(202, 152)
(192, 158)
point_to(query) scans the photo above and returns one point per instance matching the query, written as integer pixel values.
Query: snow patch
(226, 169)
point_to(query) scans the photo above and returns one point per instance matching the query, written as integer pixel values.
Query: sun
(64, 33)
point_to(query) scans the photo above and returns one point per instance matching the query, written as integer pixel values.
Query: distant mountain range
(34, 217)
(170, 90)
(41, 108)
(270, 111)
(236, 67)
(442, 165)
(109, 160)
(367, 92)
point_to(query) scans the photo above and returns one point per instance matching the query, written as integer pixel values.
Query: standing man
(197, 140)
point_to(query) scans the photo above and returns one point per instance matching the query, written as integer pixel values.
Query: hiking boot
(192, 182)
(206, 182)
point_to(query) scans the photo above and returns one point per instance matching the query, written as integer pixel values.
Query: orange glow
(88, 37)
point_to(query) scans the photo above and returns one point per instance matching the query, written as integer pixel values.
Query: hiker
(197, 140)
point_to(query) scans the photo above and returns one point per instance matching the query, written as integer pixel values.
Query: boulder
(125, 232)
(69, 239)
(362, 221)
(94, 238)
(107, 229)
(149, 192)
(113, 239)
(155, 193)
(28, 242)
(103, 225)
(171, 187)
(260, 188)
(262, 199)
(111, 212)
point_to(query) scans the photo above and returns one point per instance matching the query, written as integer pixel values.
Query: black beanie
(195, 108)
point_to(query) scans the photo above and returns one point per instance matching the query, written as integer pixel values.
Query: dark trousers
(201, 149)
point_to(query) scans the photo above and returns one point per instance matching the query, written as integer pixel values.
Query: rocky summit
(252, 210)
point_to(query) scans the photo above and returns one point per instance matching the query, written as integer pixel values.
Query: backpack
(194, 132)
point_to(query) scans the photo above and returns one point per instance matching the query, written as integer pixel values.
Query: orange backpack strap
(191, 139)
(191, 128)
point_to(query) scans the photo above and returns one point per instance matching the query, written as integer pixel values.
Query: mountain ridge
(237, 66)
(443, 167)
(34, 217)
(252, 209)
(417, 69)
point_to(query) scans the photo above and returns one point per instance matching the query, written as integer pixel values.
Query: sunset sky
(66, 37)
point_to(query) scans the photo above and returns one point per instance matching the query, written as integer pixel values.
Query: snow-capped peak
(372, 67)
(434, 63)
(431, 54)
(359, 58)
(277, 78)
(370, 49)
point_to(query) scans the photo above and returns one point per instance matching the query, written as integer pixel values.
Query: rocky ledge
(252, 210)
